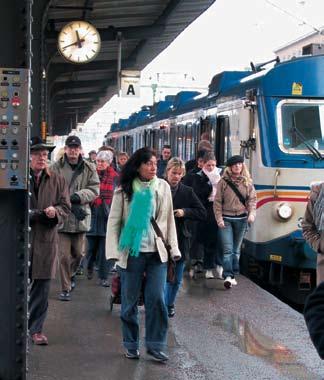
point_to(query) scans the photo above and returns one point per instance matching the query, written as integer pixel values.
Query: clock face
(79, 42)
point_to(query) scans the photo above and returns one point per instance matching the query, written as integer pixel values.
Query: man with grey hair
(83, 182)
(100, 209)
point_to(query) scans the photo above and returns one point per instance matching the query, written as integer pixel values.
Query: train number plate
(276, 258)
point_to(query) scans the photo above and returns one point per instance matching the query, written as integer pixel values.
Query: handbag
(171, 263)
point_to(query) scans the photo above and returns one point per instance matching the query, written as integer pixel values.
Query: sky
(228, 36)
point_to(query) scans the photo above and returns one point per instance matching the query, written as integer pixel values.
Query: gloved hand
(34, 215)
(78, 212)
(39, 216)
(75, 199)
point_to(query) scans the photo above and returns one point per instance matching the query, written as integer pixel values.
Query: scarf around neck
(138, 220)
(214, 177)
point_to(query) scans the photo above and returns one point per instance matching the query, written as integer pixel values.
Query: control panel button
(14, 178)
(15, 130)
(14, 165)
(3, 130)
(14, 155)
(3, 165)
(3, 142)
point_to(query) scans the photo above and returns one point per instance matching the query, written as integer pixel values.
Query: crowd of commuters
(133, 214)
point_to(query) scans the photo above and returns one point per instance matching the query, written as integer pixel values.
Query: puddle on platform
(252, 342)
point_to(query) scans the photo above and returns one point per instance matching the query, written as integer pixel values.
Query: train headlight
(284, 211)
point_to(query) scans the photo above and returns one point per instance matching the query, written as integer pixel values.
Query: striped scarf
(108, 179)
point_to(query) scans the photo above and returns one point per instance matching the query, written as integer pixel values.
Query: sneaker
(79, 271)
(234, 282)
(132, 354)
(39, 339)
(228, 282)
(171, 311)
(104, 283)
(219, 272)
(209, 274)
(65, 296)
(158, 356)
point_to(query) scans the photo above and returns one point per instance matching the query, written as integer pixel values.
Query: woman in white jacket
(132, 242)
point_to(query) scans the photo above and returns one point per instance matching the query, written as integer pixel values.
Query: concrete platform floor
(242, 333)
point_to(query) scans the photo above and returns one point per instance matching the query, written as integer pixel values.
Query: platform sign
(130, 82)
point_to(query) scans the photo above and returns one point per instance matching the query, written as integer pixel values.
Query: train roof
(276, 81)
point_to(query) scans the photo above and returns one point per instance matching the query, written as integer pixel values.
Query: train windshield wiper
(316, 153)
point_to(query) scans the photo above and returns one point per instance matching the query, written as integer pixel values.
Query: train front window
(301, 126)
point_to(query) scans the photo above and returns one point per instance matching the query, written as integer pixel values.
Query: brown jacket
(227, 203)
(53, 191)
(314, 238)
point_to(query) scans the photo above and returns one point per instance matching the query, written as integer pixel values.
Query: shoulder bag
(236, 191)
(171, 262)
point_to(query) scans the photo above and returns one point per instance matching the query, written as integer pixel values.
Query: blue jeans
(156, 315)
(231, 238)
(171, 290)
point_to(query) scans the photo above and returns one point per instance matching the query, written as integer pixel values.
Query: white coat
(163, 216)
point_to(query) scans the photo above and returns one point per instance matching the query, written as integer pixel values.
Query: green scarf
(138, 221)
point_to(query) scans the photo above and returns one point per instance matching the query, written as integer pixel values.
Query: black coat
(314, 317)
(185, 198)
(200, 184)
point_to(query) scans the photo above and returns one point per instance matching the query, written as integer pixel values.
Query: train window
(223, 141)
(301, 126)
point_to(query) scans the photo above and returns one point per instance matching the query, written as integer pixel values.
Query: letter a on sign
(130, 83)
(131, 90)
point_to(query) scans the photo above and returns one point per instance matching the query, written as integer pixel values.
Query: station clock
(79, 42)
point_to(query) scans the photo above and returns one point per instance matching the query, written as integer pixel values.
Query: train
(273, 115)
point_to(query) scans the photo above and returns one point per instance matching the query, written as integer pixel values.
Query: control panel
(14, 128)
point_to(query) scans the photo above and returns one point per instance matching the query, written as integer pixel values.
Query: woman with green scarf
(132, 242)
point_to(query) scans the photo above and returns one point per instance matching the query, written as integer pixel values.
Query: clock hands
(78, 39)
(78, 42)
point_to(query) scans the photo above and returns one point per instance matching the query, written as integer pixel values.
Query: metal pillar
(15, 31)
(38, 67)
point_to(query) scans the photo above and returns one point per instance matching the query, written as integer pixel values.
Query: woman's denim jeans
(171, 290)
(156, 315)
(231, 238)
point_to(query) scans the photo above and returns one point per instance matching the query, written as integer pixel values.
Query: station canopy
(145, 28)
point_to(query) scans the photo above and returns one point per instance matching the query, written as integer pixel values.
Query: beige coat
(314, 238)
(85, 184)
(164, 218)
(227, 203)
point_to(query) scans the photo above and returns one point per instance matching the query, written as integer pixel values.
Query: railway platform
(242, 333)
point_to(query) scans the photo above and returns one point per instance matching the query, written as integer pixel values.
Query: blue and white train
(275, 118)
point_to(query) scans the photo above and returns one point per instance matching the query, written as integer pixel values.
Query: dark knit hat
(234, 160)
(314, 317)
(73, 141)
